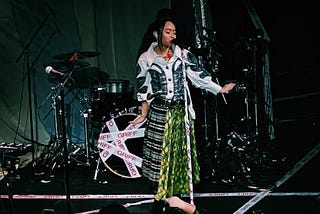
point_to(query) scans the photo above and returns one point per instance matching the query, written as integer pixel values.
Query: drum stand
(212, 161)
(57, 154)
(54, 156)
(241, 143)
(85, 113)
(218, 151)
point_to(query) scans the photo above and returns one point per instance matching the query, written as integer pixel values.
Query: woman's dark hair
(148, 38)
(164, 12)
(159, 25)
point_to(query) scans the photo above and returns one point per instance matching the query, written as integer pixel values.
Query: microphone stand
(217, 152)
(63, 138)
(25, 52)
(65, 147)
(214, 69)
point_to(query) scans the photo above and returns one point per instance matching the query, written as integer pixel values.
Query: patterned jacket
(167, 80)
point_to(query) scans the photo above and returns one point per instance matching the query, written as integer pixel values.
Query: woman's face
(168, 34)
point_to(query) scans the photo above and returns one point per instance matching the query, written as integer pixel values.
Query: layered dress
(164, 85)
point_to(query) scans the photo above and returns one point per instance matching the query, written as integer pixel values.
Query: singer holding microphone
(170, 159)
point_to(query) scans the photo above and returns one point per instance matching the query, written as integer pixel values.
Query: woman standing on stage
(163, 72)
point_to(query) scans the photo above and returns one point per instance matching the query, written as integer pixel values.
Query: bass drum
(120, 144)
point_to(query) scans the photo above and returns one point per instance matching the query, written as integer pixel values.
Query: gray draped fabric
(32, 32)
(203, 23)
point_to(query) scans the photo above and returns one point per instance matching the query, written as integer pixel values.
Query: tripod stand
(85, 149)
(211, 151)
(54, 155)
(241, 140)
(215, 157)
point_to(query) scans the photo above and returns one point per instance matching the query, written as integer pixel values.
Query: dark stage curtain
(39, 33)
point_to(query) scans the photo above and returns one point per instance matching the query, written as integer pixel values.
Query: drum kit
(106, 113)
(108, 108)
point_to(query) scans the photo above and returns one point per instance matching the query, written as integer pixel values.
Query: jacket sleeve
(199, 76)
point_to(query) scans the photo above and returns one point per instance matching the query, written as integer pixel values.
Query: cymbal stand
(211, 63)
(62, 136)
(208, 161)
(217, 140)
(211, 160)
(52, 153)
(242, 143)
(254, 58)
(247, 118)
(85, 114)
(57, 152)
(75, 149)
(252, 46)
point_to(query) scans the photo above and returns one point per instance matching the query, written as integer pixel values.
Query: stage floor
(81, 190)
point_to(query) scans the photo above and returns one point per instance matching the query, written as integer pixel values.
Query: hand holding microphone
(50, 69)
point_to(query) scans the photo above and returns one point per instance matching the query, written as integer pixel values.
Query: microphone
(50, 69)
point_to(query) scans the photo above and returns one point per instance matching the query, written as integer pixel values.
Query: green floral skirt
(174, 178)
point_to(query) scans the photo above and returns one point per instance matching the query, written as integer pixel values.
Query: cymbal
(82, 78)
(67, 65)
(76, 55)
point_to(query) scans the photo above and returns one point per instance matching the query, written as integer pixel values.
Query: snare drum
(114, 94)
(120, 145)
